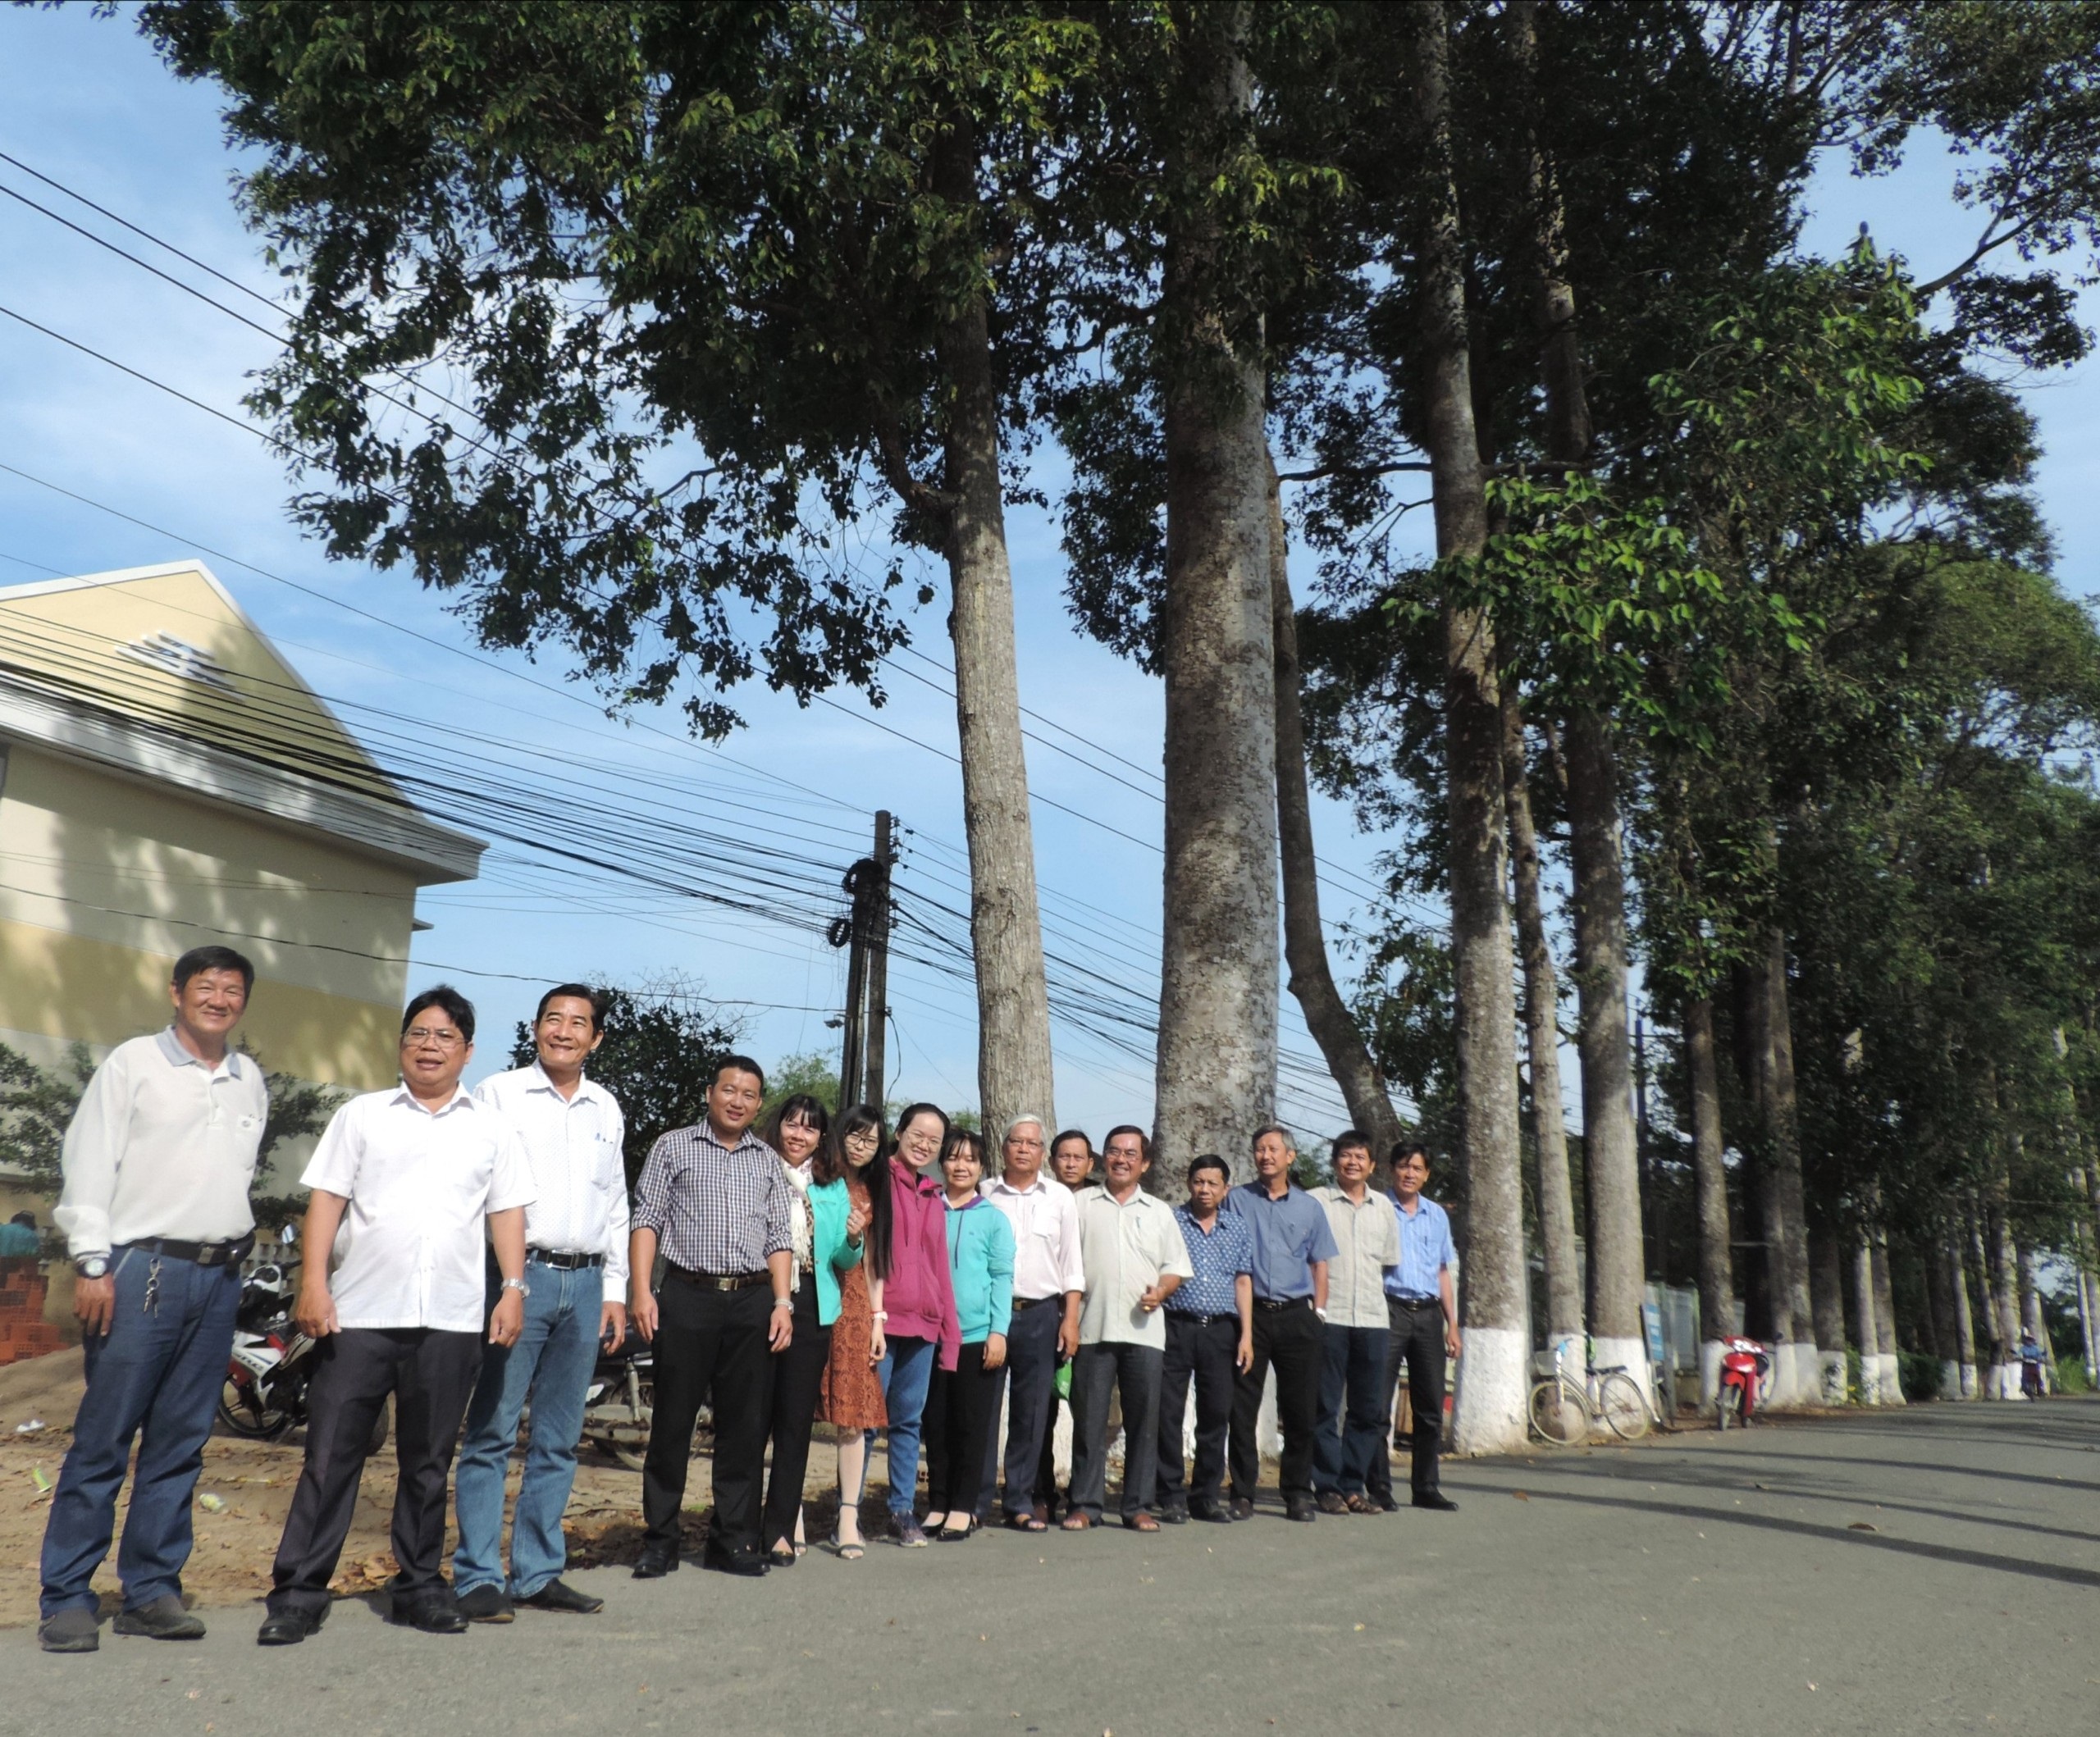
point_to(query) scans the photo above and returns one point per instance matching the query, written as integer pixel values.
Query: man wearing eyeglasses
(410, 1178)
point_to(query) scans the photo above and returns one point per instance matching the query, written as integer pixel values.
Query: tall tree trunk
(1785, 1116)
(1947, 1340)
(1755, 1048)
(1219, 967)
(2005, 1301)
(1611, 1156)
(1493, 1374)
(1864, 1313)
(1710, 1177)
(1884, 1316)
(2031, 1318)
(1014, 1070)
(1977, 1258)
(1311, 980)
(1965, 1321)
(1556, 1190)
(1827, 1297)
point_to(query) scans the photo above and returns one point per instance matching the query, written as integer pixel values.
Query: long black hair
(850, 1122)
(801, 1107)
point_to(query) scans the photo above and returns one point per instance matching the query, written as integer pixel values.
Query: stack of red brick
(24, 1332)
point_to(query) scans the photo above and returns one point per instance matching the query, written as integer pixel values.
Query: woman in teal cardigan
(962, 1406)
(827, 1232)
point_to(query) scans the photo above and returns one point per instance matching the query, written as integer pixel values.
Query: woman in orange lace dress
(851, 1400)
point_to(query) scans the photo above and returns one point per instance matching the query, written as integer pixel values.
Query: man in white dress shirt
(1048, 1282)
(157, 1161)
(410, 1178)
(576, 1233)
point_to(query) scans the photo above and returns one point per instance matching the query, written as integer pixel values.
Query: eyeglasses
(861, 1137)
(443, 1037)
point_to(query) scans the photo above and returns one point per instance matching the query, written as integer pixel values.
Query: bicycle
(1565, 1411)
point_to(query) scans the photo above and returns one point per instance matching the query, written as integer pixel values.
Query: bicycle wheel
(1560, 1414)
(1625, 1412)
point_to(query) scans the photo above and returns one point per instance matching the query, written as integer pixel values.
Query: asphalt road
(1932, 1570)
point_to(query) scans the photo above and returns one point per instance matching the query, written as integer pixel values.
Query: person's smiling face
(798, 1139)
(918, 1141)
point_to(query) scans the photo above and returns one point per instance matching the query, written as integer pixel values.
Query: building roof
(156, 672)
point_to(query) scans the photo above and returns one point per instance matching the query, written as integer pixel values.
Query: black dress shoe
(1210, 1510)
(657, 1561)
(1384, 1498)
(1437, 1500)
(487, 1604)
(748, 1564)
(555, 1596)
(1299, 1507)
(1174, 1516)
(286, 1629)
(432, 1612)
(1242, 1507)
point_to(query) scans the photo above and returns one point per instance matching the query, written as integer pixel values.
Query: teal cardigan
(981, 1266)
(832, 1253)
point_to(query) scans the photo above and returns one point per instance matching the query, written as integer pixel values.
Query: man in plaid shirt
(717, 1201)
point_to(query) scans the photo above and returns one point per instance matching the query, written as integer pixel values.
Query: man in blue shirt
(1292, 1246)
(1210, 1334)
(1422, 1305)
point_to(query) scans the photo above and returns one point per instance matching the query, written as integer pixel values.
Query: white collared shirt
(1129, 1245)
(579, 1178)
(1368, 1244)
(161, 1145)
(420, 1185)
(1046, 1221)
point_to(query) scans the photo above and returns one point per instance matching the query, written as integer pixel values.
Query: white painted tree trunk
(1834, 1376)
(1884, 1318)
(1870, 1340)
(1710, 1373)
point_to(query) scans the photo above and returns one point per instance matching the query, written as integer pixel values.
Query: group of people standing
(469, 1252)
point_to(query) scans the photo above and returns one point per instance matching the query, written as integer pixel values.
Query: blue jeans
(552, 1362)
(906, 1372)
(156, 1374)
(1355, 1410)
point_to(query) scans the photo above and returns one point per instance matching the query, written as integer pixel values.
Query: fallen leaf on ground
(1862, 1526)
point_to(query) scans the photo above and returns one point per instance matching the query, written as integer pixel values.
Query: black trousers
(430, 1375)
(797, 1378)
(1417, 1338)
(1132, 1371)
(709, 1344)
(1287, 1338)
(1201, 1350)
(962, 1409)
(1046, 1462)
(1032, 1361)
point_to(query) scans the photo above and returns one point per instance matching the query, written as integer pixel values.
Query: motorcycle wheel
(1730, 1397)
(257, 1422)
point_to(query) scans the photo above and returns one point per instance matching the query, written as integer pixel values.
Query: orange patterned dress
(851, 1395)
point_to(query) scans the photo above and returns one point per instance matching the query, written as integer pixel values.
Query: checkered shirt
(715, 1209)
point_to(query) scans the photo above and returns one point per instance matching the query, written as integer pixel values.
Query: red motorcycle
(1745, 1364)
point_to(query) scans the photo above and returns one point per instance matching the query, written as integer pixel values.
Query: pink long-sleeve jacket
(917, 1295)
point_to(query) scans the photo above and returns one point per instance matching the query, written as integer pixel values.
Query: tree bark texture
(1827, 1295)
(1327, 1016)
(1965, 1321)
(1493, 1376)
(1611, 1146)
(1868, 1336)
(1884, 1316)
(1556, 1189)
(1219, 966)
(1013, 999)
(2004, 1302)
(1786, 1120)
(1717, 1284)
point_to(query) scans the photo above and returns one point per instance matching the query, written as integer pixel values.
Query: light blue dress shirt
(1288, 1234)
(1426, 1250)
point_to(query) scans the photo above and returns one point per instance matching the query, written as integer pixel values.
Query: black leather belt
(1201, 1321)
(561, 1262)
(1416, 1303)
(1030, 1302)
(1272, 1304)
(716, 1281)
(204, 1254)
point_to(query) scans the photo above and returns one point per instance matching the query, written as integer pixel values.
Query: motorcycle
(1745, 1364)
(619, 1403)
(264, 1395)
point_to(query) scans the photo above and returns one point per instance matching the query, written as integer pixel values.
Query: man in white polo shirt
(157, 1161)
(409, 1177)
(1134, 1258)
(576, 1233)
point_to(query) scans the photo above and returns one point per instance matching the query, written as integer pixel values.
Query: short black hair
(1144, 1140)
(576, 991)
(1071, 1133)
(1209, 1162)
(444, 996)
(1350, 1139)
(739, 1064)
(1403, 1150)
(26, 1219)
(213, 959)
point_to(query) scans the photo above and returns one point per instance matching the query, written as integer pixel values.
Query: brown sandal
(1142, 1523)
(1025, 1523)
(1077, 1523)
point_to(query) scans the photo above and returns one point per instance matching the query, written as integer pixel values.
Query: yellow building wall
(104, 880)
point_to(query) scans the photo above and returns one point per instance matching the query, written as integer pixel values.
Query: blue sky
(84, 101)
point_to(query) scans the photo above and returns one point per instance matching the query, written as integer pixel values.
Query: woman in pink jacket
(917, 1320)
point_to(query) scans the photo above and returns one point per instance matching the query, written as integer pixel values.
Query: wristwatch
(92, 1266)
(518, 1285)
(1320, 1312)
(784, 1302)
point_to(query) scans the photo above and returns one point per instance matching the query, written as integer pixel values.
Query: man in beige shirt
(1134, 1258)
(1349, 1429)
